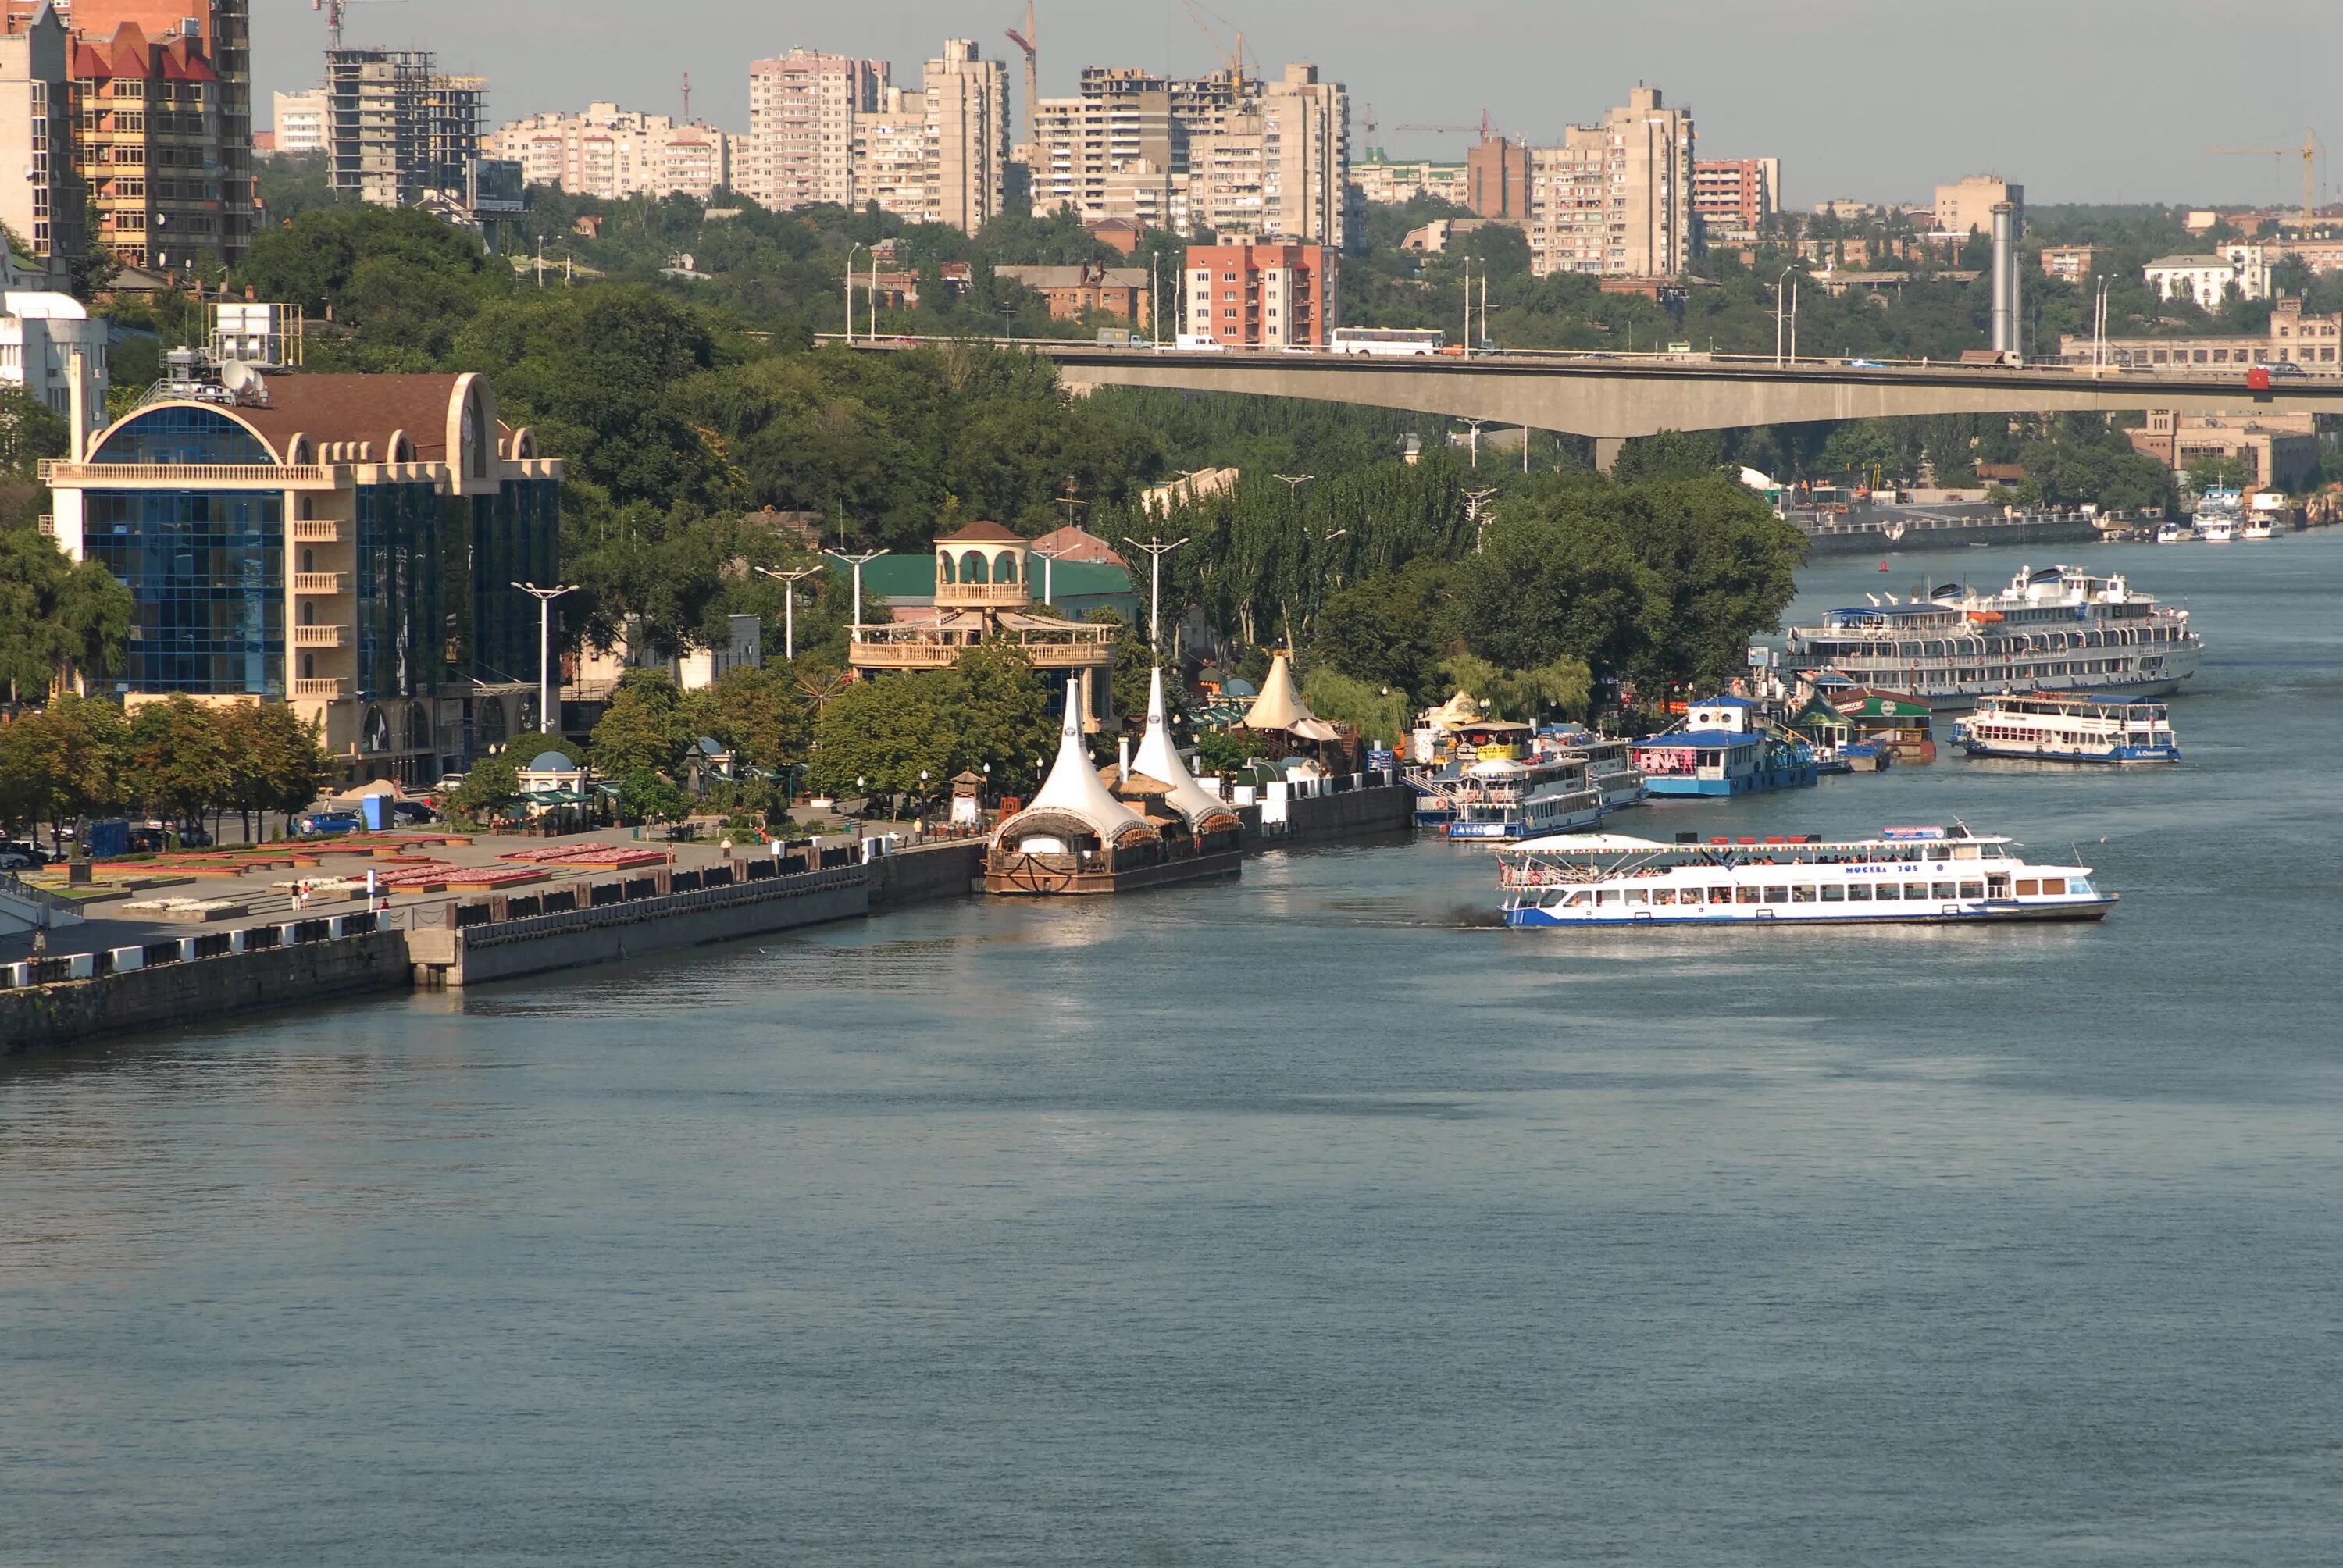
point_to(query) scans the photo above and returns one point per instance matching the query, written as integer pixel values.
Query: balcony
(320, 582)
(56, 473)
(321, 690)
(316, 531)
(982, 595)
(319, 637)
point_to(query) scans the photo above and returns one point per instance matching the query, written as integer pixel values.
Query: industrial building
(346, 544)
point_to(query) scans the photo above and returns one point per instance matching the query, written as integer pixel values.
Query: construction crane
(2308, 152)
(1486, 129)
(1026, 41)
(1233, 53)
(334, 9)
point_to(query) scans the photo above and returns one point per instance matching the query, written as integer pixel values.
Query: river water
(1305, 1220)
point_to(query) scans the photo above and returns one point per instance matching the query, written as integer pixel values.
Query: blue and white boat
(1722, 747)
(1505, 799)
(2070, 729)
(1930, 876)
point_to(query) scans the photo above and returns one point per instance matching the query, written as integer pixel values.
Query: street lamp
(1158, 549)
(1048, 573)
(858, 563)
(1779, 298)
(850, 291)
(1474, 501)
(1294, 483)
(789, 581)
(548, 716)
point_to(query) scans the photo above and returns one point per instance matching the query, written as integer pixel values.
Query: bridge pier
(1606, 451)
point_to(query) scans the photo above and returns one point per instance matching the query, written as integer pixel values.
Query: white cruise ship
(1930, 876)
(2057, 629)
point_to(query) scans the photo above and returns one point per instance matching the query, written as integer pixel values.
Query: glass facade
(515, 538)
(181, 434)
(400, 630)
(207, 570)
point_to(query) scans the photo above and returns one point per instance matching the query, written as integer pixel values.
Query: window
(1803, 893)
(1833, 893)
(1858, 892)
(1663, 895)
(2053, 887)
(1973, 890)
(1777, 894)
(1944, 889)
(1720, 895)
(2028, 887)
(1884, 892)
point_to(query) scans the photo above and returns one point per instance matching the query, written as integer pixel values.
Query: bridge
(1615, 397)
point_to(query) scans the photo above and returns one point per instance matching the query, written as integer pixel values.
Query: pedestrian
(40, 941)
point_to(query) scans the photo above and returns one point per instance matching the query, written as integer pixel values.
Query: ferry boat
(2070, 729)
(1934, 876)
(1609, 767)
(1722, 747)
(1508, 800)
(2059, 629)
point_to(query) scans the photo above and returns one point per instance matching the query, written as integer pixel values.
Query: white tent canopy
(1159, 760)
(1279, 707)
(1074, 787)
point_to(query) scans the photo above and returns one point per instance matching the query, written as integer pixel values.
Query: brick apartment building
(1263, 295)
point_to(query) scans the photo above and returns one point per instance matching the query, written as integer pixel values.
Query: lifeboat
(1985, 617)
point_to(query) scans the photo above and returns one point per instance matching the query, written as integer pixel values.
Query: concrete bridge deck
(1613, 397)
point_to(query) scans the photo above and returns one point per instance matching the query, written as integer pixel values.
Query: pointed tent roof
(1158, 760)
(1279, 707)
(1073, 785)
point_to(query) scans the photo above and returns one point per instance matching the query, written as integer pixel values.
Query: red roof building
(146, 119)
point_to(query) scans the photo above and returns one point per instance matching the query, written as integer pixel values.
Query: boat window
(1639, 896)
(1997, 886)
(1608, 896)
(1663, 895)
(1973, 890)
(1915, 889)
(1833, 893)
(1803, 893)
(1744, 895)
(1553, 899)
(2080, 887)
(1884, 892)
(1777, 894)
(1945, 890)
(2053, 887)
(1720, 895)
(2027, 888)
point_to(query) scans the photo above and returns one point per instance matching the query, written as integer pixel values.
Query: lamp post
(858, 563)
(1049, 574)
(1157, 549)
(1475, 500)
(850, 291)
(548, 716)
(789, 581)
(1294, 483)
(1780, 299)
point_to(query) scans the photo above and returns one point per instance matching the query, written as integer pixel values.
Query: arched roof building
(346, 544)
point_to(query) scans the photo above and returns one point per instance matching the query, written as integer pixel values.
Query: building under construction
(398, 128)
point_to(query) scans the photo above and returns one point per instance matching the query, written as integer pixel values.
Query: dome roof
(551, 762)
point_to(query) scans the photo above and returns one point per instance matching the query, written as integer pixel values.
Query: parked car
(13, 860)
(143, 841)
(411, 811)
(195, 835)
(327, 824)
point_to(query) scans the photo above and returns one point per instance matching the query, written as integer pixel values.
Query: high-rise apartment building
(1969, 205)
(221, 31)
(146, 139)
(802, 110)
(303, 121)
(1246, 158)
(1615, 198)
(399, 128)
(613, 152)
(45, 207)
(1263, 295)
(1498, 179)
(968, 121)
(1735, 197)
(891, 155)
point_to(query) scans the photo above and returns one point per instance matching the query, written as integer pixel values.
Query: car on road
(412, 812)
(327, 824)
(14, 860)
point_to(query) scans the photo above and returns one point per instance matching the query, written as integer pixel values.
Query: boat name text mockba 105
(2070, 729)
(2057, 629)
(1934, 876)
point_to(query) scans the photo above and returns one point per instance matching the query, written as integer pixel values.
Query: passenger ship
(1508, 800)
(2057, 629)
(1934, 876)
(2070, 729)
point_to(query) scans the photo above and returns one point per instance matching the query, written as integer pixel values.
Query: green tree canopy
(645, 730)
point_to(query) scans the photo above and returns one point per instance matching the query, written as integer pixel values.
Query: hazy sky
(2081, 100)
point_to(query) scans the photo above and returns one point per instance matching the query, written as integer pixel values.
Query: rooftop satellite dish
(237, 377)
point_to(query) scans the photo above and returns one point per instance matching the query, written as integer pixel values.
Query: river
(1305, 1220)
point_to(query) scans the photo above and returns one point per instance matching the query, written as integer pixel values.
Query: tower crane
(2308, 152)
(334, 9)
(1234, 53)
(1028, 40)
(1486, 129)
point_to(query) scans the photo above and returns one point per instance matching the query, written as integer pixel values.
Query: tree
(491, 782)
(762, 715)
(175, 761)
(644, 795)
(275, 762)
(1544, 589)
(1525, 695)
(2214, 471)
(1378, 713)
(877, 736)
(56, 614)
(1390, 629)
(645, 728)
(1004, 717)
(62, 765)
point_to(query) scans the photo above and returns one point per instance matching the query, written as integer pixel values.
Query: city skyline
(2096, 104)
